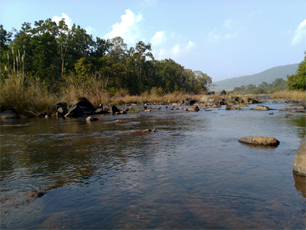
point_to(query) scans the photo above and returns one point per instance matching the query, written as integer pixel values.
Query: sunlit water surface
(191, 173)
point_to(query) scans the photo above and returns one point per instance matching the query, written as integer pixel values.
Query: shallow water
(191, 173)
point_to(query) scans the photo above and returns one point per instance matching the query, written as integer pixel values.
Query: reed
(289, 95)
(27, 96)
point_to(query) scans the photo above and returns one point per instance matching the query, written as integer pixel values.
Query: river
(190, 173)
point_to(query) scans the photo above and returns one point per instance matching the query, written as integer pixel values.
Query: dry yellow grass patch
(289, 95)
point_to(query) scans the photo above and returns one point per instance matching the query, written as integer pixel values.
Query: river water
(190, 173)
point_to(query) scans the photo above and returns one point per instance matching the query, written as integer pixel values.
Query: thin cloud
(68, 20)
(128, 28)
(174, 52)
(300, 33)
(158, 38)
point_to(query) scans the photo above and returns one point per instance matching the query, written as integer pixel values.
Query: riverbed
(190, 173)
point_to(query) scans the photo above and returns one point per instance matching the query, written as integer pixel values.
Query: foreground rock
(300, 159)
(9, 114)
(259, 140)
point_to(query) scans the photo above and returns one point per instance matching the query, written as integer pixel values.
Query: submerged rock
(91, 119)
(36, 194)
(230, 107)
(9, 114)
(296, 107)
(259, 140)
(261, 107)
(300, 159)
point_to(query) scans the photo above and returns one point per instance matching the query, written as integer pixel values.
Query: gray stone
(300, 159)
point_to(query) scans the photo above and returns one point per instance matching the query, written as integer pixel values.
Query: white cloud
(158, 38)
(300, 34)
(128, 28)
(176, 51)
(212, 36)
(228, 23)
(68, 20)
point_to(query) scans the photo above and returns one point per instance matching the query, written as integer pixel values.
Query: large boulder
(83, 102)
(113, 109)
(9, 114)
(188, 101)
(75, 111)
(300, 159)
(259, 140)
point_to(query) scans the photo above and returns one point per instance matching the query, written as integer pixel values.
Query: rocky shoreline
(83, 107)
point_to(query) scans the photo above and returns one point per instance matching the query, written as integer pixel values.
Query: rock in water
(259, 140)
(300, 159)
(8, 114)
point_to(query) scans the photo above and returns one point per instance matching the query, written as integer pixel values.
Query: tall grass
(27, 96)
(289, 95)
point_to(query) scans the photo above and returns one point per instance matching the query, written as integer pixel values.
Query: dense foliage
(56, 54)
(263, 88)
(298, 81)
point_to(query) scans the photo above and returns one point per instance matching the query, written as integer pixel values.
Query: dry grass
(289, 95)
(29, 97)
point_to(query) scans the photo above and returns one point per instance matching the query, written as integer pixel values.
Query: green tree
(298, 81)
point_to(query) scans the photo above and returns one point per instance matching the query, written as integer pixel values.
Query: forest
(58, 56)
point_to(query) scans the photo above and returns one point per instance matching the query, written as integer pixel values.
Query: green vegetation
(57, 55)
(263, 88)
(298, 81)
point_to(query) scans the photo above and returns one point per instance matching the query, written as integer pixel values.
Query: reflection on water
(191, 173)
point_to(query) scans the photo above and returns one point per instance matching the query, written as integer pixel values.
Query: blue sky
(222, 38)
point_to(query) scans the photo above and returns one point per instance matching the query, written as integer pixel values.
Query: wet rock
(300, 159)
(101, 111)
(36, 194)
(83, 102)
(259, 140)
(9, 114)
(261, 107)
(230, 107)
(91, 119)
(147, 111)
(296, 107)
(75, 111)
(114, 109)
(144, 107)
(216, 106)
(188, 101)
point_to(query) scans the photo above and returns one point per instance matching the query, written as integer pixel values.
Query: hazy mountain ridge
(268, 76)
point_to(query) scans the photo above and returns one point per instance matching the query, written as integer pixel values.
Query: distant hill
(268, 76)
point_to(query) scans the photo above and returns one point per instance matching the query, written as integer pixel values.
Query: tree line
(54, 52)
(263, 88)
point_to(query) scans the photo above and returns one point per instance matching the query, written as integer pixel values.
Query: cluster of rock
(229, 100)
(84, 108)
